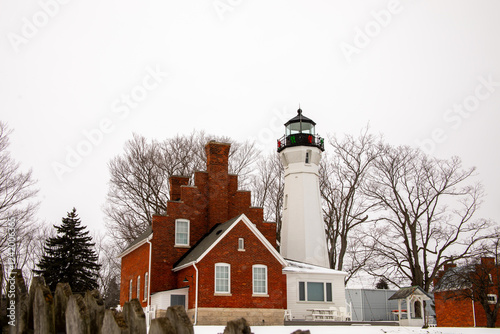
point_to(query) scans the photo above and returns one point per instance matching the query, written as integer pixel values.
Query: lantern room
(300, 131)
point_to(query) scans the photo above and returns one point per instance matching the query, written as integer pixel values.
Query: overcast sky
(77, 78)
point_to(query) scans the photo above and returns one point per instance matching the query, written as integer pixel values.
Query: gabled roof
(141, 239)
(403, 293)
(206, 244)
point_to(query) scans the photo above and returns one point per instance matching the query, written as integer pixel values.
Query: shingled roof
(404, 293)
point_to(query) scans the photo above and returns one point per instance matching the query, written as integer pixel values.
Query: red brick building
(453, 309)
(212, 252)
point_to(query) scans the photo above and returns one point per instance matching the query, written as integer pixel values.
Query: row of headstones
(38, 311)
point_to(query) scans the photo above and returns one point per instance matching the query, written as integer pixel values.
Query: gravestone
(162, 326)
(16, 298)
(134, 316)
(77, 316)
(43, 311)
(114, 323)
(61, 297)
(95, 304)
(35, 282)
(238, 326)
(180, 320)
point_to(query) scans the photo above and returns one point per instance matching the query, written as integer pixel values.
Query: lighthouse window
(308, 128)
(308, 156)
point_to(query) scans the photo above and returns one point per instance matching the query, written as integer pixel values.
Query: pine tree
(70, 257)
(382, 284)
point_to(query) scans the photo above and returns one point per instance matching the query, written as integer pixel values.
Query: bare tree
(343, 172)
(139, 185)
(17, 188)
(109, 273)
(426, 219)
(267, 185)
(17, 208)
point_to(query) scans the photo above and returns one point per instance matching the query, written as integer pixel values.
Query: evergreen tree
(382, 284)
(70, 257)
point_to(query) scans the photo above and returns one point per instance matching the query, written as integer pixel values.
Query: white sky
(240, 68)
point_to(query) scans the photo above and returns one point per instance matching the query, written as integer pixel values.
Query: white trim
(222, 265)
(133, 248)
(182, 220)
(149, 270)
(189, 264)
(196, 297)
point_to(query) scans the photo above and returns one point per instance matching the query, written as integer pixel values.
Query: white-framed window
(259, 279)
(146, 276)
(139, 287)
(182, 232)
(492, 299)
(315, 291)
(241, 244)
(222, 278)
(130, 290)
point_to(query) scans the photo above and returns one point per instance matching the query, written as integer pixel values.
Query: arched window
(139, 288)
(146, 285)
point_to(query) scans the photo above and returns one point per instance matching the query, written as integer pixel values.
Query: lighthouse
(303, 236)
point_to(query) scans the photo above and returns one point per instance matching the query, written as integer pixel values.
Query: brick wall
(451, 312)
(241, 273)
(133, 265)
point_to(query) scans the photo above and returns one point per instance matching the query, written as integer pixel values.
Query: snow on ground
(352, 330)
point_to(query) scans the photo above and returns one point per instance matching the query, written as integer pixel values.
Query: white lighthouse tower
(303, 236)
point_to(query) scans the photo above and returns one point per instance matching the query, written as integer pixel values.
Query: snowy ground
(351, 330)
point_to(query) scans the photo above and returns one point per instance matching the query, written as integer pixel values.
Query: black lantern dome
(300, 131)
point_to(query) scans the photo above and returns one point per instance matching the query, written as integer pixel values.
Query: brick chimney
(440, 273)
(176, 181)
(218, 181)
